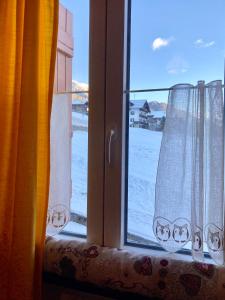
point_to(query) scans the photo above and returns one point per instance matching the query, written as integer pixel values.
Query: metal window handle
(111, 134)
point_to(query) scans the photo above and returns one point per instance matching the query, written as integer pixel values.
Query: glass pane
(74, 19)
(176, 44)
(146, 121)
(182, 42)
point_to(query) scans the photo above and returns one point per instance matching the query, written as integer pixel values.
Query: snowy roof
(138, 103)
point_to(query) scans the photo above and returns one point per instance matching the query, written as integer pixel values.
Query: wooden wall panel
(68, 71)
(62, 18)
(61, 87)
(69, 22)
(63, 69)
(56, 75)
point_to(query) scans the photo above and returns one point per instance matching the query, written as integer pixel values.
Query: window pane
(182, 42)
(146, 122)
(177, 44)
(79, 10)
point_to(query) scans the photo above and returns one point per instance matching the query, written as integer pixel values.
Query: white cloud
(209, 44)
(200, 43)
(160, 42)
(177, 65)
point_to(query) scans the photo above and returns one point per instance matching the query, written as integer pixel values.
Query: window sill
(65, 237)
(142, 271)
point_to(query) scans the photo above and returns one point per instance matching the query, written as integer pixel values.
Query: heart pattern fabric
(215, 241)
(204, 269)
(191, 283)
(143, 266)
(172, 235)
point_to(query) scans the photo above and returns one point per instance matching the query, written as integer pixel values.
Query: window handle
(111, 134)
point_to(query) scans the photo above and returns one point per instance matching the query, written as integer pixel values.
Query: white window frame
(116, 119)
(107, 111)
(96, 125)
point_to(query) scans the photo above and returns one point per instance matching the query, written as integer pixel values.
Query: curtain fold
(189, 196)
(28, 37)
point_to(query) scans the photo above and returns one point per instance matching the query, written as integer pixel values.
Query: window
(77, 122)
(133, 63)
(164, 51)
(82, 135)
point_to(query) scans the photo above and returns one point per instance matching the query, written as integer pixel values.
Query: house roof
(140, 104)
(79, 101)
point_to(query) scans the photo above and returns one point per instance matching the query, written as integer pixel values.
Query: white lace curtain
(60, 164)
(189, 205)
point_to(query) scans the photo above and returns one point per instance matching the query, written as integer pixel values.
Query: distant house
(80, 105)
(139, 112)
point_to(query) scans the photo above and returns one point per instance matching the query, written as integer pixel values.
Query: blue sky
(173, 41)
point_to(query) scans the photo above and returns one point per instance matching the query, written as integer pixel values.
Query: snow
(75, 227)
(144, 146)
(79, 172)
(79, 119)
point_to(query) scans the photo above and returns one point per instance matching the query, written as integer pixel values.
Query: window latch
(111, 135)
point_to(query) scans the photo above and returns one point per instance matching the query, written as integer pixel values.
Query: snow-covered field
(79, 164)
(80, 120)
(144, 146)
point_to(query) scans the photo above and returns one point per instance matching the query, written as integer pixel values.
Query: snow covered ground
(79, 120)
(79, 164)
(144, 146)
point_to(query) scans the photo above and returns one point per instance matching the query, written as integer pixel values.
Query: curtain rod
(71, 92)
(140, 91)
(165, 89)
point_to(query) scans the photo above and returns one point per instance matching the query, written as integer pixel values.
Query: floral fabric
(164, 276)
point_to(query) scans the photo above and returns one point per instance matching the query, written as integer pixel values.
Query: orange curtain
(28, 38)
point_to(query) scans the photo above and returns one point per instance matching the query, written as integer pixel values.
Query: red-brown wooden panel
(61, 72)
(63, 69)
(65, 43)
(62, 18)
(68, 73)
(56, 75)
(69, 22)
